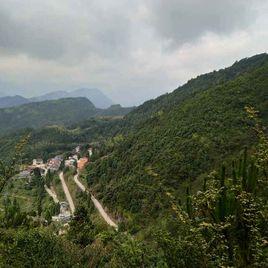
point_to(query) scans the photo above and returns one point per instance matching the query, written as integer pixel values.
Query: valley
(179, 181)
(67, 207)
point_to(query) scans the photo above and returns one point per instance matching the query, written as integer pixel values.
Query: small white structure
(90, 151)
(64, 207)
(37, 162)
(70, 162)
(64, 215)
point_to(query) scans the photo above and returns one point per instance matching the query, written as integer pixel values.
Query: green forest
(60, 112)
(185, 177)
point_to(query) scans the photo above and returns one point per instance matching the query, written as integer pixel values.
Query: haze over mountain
(96, 96)
(11, 101)
(135, 50)
(2, 94)
(173, 174)
(63, 111)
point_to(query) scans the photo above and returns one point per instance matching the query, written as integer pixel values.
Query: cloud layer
(134, 49)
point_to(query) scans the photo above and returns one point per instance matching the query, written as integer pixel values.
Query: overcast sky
(133, 50)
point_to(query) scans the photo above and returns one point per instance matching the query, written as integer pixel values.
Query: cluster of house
(74, 161)
(71, 161)
(52, 164)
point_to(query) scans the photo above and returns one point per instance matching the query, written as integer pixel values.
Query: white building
(64, 215)
(37, 162)
(90, 151)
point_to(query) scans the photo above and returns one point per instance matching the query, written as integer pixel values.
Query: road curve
(96, 203)
(79, 184)
(52, 194)
(104, 215)
(67, 193)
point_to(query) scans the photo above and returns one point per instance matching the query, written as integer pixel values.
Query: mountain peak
(96, 96)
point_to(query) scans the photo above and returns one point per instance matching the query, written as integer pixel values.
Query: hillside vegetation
(178, 138)
(49, 141)
(185, 177)
(53, 112)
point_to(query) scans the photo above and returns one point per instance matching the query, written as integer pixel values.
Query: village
(55, 165)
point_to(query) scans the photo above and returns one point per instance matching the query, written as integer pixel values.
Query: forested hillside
(184, 177)
(52, 140)
(201, 83)
(179, 138)
(53, 112)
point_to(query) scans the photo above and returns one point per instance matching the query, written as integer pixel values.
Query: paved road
(96, 203)
(67, 193)
(104, 215)
(52, 194)
(79, 184)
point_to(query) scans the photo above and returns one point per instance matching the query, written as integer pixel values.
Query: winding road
(52, 194)
(67, 193)
(96, 203)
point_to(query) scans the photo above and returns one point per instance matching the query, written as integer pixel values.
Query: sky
(132, 50)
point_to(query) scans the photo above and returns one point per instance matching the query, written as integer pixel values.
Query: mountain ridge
(53, 112)
(96, 96)
(11, 101)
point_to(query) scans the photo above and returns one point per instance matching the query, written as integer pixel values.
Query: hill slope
(200, 83)
(179, 137)
(141, 172)
(49, 141)
(53, 112)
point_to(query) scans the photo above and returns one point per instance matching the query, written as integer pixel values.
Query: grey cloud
(183, 21)
(37, 38)
(121, 45)
(48, 34)
(75, 29)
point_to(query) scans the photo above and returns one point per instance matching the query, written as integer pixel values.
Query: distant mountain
(94, 95)
(10, 101)
(55, 95)
(53, 112)
(116, 110)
